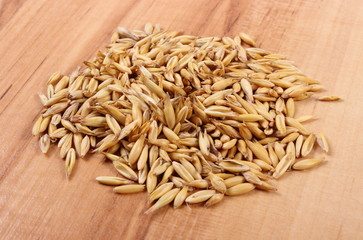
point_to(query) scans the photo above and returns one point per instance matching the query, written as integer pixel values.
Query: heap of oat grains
(190, 119)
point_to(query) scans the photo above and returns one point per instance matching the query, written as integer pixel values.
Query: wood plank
(324, 38)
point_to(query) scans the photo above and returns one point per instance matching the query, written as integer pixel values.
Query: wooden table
(39, 37)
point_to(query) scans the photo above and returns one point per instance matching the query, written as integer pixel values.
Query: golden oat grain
(200, 196)
(308, 145)
(283, 165)
(322, 142)
(329, 98)
(160, 191)
(131, 188)
(230, 182)
(307, 163)
(239, 189)
(180, 197)
(216, 198)
(164, 200)
(70, 161)
(44, 143)
(113, 181)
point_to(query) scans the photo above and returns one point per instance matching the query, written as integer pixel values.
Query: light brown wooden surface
(38, 37)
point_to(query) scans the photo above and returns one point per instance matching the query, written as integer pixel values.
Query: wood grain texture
(38, 37)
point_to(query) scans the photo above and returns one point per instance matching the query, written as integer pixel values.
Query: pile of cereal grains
(188, 119)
